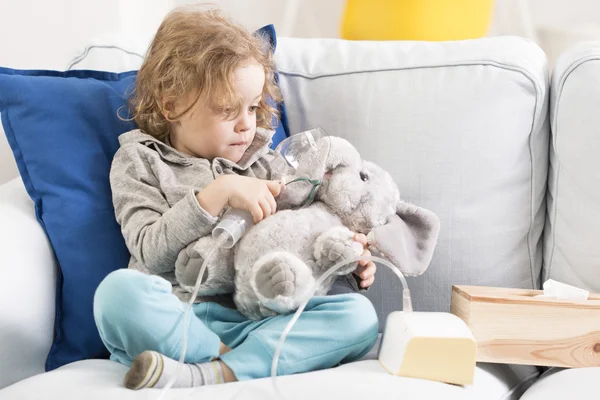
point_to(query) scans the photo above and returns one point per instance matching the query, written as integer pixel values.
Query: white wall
(298, 18)
(47, 34)
(556, 25)
(44, 32)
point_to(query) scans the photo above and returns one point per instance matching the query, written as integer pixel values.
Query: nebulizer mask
(235, 223)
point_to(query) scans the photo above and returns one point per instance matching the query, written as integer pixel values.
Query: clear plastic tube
(221, 240)
(234, 224)
(406, 306)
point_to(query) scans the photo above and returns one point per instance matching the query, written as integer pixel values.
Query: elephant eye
(364, 177)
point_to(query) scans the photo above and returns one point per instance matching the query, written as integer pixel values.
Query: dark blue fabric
(63, 130)
(282, 131)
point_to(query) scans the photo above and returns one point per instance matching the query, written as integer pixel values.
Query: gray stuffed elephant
(275, 265)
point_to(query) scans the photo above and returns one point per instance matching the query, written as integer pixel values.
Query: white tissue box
(513, 326)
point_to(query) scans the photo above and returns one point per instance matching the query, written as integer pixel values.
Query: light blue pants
(136, 312)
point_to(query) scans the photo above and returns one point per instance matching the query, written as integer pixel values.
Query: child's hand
(366, 269)
(254, 195)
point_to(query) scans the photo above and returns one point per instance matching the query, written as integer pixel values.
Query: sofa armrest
(27, 287)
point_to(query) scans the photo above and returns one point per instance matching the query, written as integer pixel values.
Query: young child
(201, 105)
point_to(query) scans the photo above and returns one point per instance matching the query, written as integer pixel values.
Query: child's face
(201, 133)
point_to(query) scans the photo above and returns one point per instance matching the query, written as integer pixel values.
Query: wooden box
(512, 326)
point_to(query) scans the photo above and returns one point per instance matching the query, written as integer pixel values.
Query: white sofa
(464, 128)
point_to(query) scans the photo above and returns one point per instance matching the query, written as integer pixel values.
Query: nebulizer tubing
(221, 240)
(235, 223)
(406, 303)
(226, 238)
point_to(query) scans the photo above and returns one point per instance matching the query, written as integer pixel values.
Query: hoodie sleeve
(154, 231)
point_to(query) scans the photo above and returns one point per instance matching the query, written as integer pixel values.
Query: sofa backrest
(461, 126)
(572, 235)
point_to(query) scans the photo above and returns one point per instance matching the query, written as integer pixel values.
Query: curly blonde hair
(196, 51)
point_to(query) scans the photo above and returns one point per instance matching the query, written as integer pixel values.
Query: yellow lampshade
(434, 20)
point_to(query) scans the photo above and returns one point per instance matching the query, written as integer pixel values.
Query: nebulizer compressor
(411, 344)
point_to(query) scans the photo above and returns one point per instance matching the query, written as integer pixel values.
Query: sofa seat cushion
(559, 384)
(102, 379)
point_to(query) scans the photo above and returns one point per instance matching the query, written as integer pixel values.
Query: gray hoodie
(154, 191)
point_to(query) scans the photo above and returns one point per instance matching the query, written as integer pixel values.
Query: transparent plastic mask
(235, 223)
(289, 151)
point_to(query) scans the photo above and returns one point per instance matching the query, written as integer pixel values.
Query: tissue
(561, 291)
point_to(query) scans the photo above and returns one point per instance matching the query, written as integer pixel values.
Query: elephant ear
(408, 239)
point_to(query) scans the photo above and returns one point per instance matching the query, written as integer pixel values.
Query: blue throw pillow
(63, 129)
